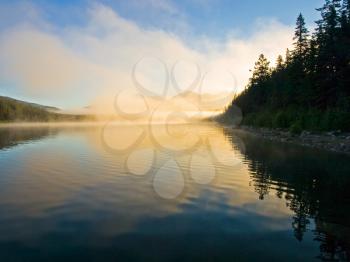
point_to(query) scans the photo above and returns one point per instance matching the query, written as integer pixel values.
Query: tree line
(14, 110)
(308, 88)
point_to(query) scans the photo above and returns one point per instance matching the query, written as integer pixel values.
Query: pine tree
(343, 52)
(300, 38)
(279, 63)
(345, 15)
(330, 18)
(311, 88)
(288, 57)
(261, 70)
(328, 57)
(346, 8)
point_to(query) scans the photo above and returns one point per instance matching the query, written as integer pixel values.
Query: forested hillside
(14, 110)
(308, 88)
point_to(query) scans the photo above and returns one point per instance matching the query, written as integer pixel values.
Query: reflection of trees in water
(10, 137)
(300, 220)
(332, 246)
(315, 185)
(261, 180)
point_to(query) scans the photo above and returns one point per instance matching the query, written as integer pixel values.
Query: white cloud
(98, 58)
(162, 5)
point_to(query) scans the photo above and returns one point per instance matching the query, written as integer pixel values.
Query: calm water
(183, 192)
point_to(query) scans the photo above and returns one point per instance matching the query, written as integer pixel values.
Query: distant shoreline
(88, 123)
(52, 123)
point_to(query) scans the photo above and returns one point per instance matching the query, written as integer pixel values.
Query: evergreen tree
(345, 18)
(345, 13)
(261, 70)
(311, 89)
(329, 19)
(343, 53)
(346, 8)
(288, 57)
(300, 38)
(279, 63)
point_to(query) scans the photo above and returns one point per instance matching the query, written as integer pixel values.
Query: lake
(121, 192)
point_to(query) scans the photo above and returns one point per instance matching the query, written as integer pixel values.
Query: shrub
(280, 120)
(296, 128)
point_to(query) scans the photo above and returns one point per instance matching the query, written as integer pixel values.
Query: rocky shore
(335, 141)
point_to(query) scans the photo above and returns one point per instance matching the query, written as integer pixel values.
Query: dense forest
(15, 110)
(308, 88)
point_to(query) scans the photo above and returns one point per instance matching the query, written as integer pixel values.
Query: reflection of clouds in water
(140, 161)
(65, 176)
(168, 181)
(142, 158)
(202, 168)
(206, 146)
(122, 138)
(223, 152)
(169, 131)
(46, 179)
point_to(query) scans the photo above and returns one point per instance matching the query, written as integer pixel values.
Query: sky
(71, 54)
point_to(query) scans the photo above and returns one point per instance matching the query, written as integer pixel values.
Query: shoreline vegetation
(308, 90)
(16, 111)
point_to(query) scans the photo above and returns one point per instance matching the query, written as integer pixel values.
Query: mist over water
(90, 192)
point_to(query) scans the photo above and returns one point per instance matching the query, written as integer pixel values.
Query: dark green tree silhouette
(311, 89)
(301, 43)
(279, 63)
(261, 71)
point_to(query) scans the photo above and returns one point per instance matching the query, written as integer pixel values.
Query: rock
(305, 133)
(331, 133)
(332, 141)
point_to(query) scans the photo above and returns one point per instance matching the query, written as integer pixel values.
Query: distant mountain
(9, 99)
(13, 110)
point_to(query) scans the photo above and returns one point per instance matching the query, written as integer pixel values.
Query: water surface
(176, 193)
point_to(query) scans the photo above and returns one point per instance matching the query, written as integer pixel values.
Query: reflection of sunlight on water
(140, 162)
(121, 138)
(224, 152)
(74, 174)
(66, 182)
(168, 181)
(202, 168)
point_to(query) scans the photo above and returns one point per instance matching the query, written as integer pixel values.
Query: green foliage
(301, 43)
(261, 71)
(13, 110)
(296, 128)
(310, 87)
(281, 119)
(296, 119)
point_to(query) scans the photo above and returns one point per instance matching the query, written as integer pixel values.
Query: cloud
(39, 60)
(96, 59)
(162, 5)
